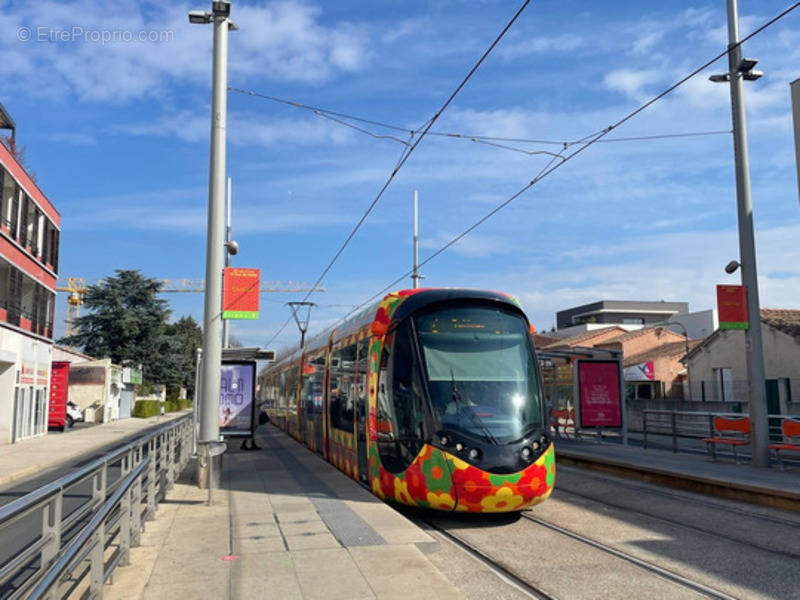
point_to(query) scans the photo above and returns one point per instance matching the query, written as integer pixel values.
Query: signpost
(732, 306)
(240, 293)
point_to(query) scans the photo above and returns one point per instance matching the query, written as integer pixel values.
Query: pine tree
(126, 321)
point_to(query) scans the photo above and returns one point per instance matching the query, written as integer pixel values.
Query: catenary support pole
(747, 250)
(212, 319)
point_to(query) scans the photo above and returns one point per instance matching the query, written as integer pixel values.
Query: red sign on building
(59, 382)
(600, 395)
(240, 293)
(732, 306)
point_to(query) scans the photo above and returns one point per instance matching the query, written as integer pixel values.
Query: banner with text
(240, 293)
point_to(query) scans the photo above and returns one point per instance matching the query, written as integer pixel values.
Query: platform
(285, 525)
(687, 470)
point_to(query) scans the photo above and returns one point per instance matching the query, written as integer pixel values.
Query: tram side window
(362, 379)
(341, 393)
(313, 382)
(291, 391)
(282, 390)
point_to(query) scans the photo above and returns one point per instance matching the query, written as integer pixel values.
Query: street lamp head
(233, 247)
(747, 64)
(731, 267)
(720, 78)
(199, 17)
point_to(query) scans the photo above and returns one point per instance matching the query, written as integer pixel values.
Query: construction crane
(76, 287)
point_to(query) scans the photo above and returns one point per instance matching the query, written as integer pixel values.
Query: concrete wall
(24, 359)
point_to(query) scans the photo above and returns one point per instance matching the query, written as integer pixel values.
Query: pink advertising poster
(600, 398)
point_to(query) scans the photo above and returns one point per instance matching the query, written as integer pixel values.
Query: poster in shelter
(600, 394)
(236, 406)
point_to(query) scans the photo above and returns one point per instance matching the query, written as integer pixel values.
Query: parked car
(73, 413)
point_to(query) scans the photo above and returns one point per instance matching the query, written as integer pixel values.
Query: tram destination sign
(600, 394)
(240, 293)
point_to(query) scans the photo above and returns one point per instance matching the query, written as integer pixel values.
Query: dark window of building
(34, 242)
(23, 223)
(54, 250)
(632, 321)
(14, 296)
(14, 220)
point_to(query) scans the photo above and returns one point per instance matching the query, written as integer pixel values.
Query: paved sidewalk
(688, 470)
(29, 457)
(285, 525)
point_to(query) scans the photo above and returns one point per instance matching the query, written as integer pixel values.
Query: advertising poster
(236, 406)
(641, 372)
(600, 394)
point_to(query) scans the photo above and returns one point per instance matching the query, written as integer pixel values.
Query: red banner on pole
(732, 306)
(240, 293)
(600, 397)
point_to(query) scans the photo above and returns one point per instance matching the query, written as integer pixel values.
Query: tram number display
(600, 395)
(236, 399)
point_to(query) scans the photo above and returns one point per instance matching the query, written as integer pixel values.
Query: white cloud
(633, 81)
(284, 40)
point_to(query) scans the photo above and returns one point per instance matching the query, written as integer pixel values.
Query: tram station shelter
(29, 237)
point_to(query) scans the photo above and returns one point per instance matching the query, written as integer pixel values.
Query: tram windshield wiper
(459, 401)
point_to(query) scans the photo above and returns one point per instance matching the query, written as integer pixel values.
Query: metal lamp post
(740, 69)
(212, 318)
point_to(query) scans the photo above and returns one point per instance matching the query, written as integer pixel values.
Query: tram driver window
(399, 416)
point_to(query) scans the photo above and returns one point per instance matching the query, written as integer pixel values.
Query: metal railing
(96, 536)
(695, 425)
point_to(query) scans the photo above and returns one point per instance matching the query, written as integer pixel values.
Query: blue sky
(117, 134)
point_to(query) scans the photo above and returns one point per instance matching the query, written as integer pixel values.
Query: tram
(430, 397)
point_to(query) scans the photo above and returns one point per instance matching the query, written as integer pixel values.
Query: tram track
(641, 563)
(676, 523)
(502, 572)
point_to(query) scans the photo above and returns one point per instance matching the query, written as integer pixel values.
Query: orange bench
(791, 431)
(731, 431)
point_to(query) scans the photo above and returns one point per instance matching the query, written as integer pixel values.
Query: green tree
(185, 337)
(126, 321)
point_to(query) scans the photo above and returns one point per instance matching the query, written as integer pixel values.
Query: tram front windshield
(481, 371)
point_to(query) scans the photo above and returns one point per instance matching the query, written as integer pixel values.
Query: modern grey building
(620, 312)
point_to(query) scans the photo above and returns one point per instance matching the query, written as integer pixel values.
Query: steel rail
(503, 573)
(646, 565)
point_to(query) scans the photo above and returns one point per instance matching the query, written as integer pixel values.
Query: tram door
(362, 385)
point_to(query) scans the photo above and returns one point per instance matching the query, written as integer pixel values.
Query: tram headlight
(535, 445)
(526, 453)
(474, 454)
(445, 440)
(459, 446)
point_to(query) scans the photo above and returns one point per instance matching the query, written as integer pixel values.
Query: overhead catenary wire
(550, 167)
(407, 153)
(490, 140)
